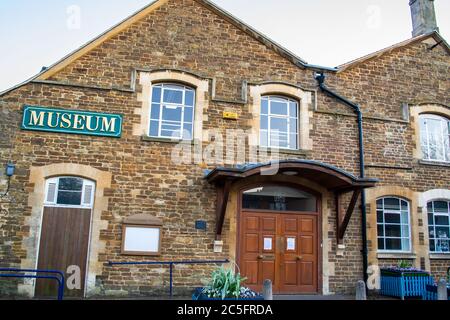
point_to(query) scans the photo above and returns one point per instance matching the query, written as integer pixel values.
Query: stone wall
(185, 36)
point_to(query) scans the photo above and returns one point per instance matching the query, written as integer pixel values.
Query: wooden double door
(280, 247)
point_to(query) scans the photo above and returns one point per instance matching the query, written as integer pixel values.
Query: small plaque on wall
(141, 236)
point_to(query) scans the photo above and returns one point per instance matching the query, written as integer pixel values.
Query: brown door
(282, 248)
(64, 242)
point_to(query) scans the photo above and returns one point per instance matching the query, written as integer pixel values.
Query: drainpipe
(320, 77)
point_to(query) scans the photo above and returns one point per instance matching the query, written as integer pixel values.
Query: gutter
(320, 78)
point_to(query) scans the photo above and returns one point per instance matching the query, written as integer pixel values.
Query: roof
(68, 59)
(434, 34)
(324, 174)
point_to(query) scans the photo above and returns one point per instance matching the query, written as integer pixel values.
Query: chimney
(423, 17)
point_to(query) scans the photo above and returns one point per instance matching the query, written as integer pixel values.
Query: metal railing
(171, 264)
(22, 274)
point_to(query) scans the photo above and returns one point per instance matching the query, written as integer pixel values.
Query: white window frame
(287, 117)
(162, 104)
(434, 224)
(399, 224)
(54, 203)
(443, 121)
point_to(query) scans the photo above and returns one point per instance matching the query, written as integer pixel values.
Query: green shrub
(225, 283)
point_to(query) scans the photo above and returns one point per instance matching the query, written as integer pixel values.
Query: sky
(34, 33)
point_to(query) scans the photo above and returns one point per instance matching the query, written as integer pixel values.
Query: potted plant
(404, 281)
(225, 284)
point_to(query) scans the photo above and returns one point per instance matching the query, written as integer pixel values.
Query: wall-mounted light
(10, 169)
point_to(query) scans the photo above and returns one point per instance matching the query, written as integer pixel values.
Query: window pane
(263, 138)
(293, 109)
(293, 141)
(278, 124)
(264, 106)
(405, 245)
(189, 98)
(279, 108)
(430, 219)
(432, 247)
(430, 206)
(172, 114)
(264, 122)
(279, 199)
(154, 127)
(293, 125)
(404, 205)
(380, 216)
(393, 244)
(442, 232)
(391, 204)
(442, 245)
(154, 113)
(392, 218)
(188, 114)
(380, 230)
(404, 217)
(381, 244)
(173, 96)
(156, 94)
(441, 206)
(441, 220)
(431, 232)
(380, 204)
(187, 133)
(74, 184)
(405, 231)
(393, 231)
(69, 198)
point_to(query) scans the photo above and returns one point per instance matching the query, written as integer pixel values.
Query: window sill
(440, 256)
(283, 151)
(165, 140)
(434, 163)
(395, 255)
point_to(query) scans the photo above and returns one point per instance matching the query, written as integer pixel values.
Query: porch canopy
(334, 179)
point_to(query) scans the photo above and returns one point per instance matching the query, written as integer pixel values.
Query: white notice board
(141, 240)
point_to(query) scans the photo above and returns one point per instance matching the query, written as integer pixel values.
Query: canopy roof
(324, 174)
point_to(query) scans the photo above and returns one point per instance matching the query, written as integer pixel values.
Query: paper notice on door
(290, 244)
(268, 244)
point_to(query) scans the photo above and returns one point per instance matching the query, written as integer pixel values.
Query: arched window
(69, 192)
(279, 122)
(435, 137)
(393, 224)
(278, 198)
(439, 225)
(172, 111)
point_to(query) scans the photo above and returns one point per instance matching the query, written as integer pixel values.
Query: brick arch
(305, 101)
(38, 176)
(415, 112)
(435, 194)
(147, 79)
(231, 232)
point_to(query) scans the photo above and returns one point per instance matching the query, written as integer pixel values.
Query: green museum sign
(72, 121)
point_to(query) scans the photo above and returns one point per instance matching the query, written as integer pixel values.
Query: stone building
(182, 134)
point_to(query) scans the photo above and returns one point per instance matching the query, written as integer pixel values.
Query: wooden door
(298, 254)
(282, 248)
(64, 242)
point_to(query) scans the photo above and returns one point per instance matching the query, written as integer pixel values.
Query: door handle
(260, 257)
(299, 257)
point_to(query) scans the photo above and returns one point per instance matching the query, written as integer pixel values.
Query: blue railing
(430, 292)
(405, 285)
(22, 274)
(171, 264)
